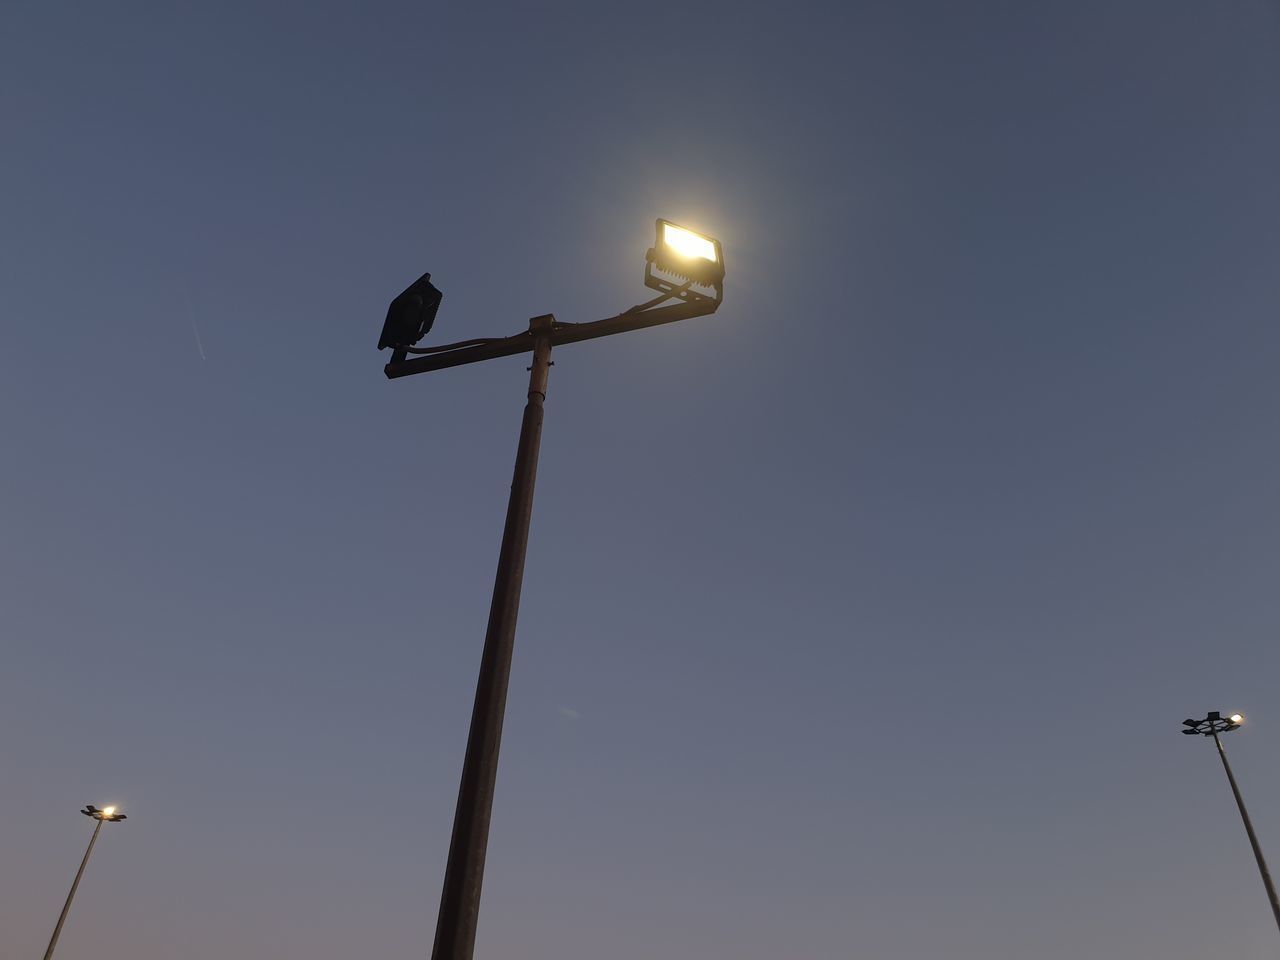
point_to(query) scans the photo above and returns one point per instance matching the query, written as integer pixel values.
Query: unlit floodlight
(410, 316)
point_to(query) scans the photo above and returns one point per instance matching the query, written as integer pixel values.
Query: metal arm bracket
(561, 333)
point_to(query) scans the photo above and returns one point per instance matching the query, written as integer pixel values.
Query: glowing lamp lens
(1237, 718)
(686, 243)
(108, 811)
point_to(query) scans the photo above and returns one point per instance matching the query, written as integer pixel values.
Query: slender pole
(464, 873)
(1253, 837)
(66, 907)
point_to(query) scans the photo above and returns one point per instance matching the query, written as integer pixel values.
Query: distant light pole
(1211, 726)
(678, 261)
(105, 815)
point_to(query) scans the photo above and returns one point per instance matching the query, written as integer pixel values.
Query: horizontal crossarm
(561, 333)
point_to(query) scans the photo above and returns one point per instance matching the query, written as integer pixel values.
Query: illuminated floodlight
(106, 814)
(1212, 725)
(687, 244)
(687, 256)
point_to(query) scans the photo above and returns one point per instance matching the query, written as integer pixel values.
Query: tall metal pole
(1253, 838)
(464, 873)
(66, 907)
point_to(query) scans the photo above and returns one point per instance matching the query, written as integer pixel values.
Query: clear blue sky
(859, 618)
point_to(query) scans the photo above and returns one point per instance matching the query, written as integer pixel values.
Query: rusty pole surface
(1253, 837)
(464, 872)
(66, 907)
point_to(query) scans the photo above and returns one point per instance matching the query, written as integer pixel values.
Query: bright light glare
(108, 811)
(687, 243)
(1237, 718)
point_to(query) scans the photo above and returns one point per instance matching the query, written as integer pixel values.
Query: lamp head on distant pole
(1215, 722)
(106, 814)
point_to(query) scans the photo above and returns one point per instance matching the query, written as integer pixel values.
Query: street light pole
(464, 872)
(66, 907)
(1211, 726)
(1253, 837)
(107, 815)
(679, 260)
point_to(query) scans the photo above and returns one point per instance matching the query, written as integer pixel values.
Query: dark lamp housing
(410, 316)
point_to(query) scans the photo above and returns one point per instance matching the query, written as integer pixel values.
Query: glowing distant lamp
(106, 814)
(688, 256)
(1212, 725)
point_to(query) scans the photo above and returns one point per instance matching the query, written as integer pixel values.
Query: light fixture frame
(91, 811)
(695, 270)
(411, 315)
(1211, 725)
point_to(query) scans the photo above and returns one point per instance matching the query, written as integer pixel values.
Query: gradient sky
(859, 618)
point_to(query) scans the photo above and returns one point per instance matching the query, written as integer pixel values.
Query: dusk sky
(859, 618)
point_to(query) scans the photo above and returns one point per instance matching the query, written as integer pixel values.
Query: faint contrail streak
(191, 312)
(199, 345)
